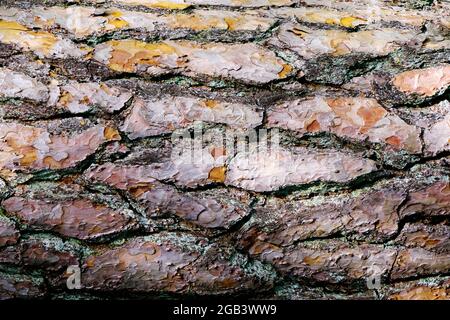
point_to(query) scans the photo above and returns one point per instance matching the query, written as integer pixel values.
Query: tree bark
(259, 149)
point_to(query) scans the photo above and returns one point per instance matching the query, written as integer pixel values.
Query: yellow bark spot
(90, 262)
(23, 148)
(169, 5)
(217, 174)
(11, 25)
(85, 100)
(129, 53)
(164, 4)
(195, 22)
(339, 46)
(29, 156)
(232, 22)
(330, 21)
(52, 163)
(287, 69)
(111, 134)
(115, 20)
(348, 21)
(105, 88)
(7, 174)
(210, 103)
(15, 33)
(66, 98)
(53, 74)
(89, 55)
(43, 41)
(312, 260)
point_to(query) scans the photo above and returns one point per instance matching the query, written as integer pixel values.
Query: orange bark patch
(342, 107)
(11, 25)
(210, 103)
(149, 252)
(115, 20)
(68, 180)
(310, 261)
(313, 126)
(90, 262)
(127, 54)
(422, 293)
(13, 32)
(260, 247)
(426, 82)
(111, 134)
(29, 156)
(28, 152)
(52, 163)
(287, 69)
(370, 115)
(394, 141)
(228, 283)
(194, 22)
(169, 5)
(66, 98)
(121, 61)
(369, 111)
(217, 174)
(218, 152)
(349, 22)
(446, 189)
(423, 239)
(139, 190)
(232, 23)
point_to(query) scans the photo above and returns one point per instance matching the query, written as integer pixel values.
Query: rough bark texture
(357, 188)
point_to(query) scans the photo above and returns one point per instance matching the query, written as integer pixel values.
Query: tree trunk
(259, 149)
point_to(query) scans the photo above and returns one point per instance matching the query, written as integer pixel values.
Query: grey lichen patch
(14, 286)
(255, 267)
(59, 244)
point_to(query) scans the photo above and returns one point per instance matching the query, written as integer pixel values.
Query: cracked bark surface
(353, 186)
